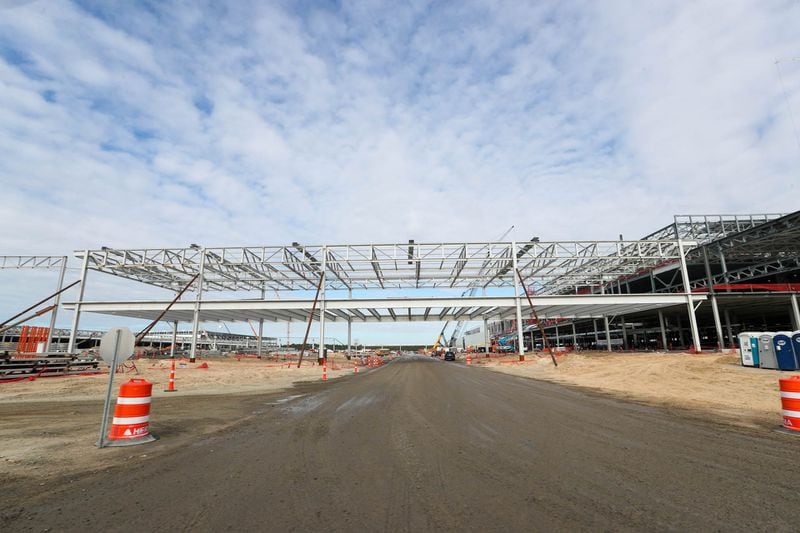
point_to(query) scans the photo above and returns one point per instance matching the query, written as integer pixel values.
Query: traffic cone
(325, 370)
(355, 366)
(171, 387)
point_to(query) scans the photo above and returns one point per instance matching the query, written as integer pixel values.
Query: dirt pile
(712, 384)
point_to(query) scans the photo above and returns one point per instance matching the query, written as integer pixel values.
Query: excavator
(437, 345)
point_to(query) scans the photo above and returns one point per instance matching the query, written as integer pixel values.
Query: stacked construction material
(17, 368)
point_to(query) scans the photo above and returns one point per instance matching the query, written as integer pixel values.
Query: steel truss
(27, 262)
(547, 265)
(32, 261)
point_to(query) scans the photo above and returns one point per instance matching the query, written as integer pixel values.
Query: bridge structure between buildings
(681, 266)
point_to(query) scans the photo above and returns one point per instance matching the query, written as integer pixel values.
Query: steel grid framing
(548, 266)
(32, 261)
(707, 228)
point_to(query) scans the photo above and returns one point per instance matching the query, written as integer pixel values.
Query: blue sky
(169, 123)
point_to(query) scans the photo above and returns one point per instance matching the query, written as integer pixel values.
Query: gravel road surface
(424, 445)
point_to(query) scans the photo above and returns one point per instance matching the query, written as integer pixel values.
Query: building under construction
(693, 283)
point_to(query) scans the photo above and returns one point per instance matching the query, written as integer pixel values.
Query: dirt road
(424, 445)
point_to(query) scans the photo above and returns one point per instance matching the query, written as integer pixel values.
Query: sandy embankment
(223, 376)
(711, 385)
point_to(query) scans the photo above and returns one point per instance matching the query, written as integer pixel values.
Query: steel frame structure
(549, 267)
(21, 262)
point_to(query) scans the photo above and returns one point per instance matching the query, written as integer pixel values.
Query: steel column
(77, 315)
(608, 333)
(689, 300)
(624, 333)
(663, 329)
(727, 316)
(596, 336)
(174, 340)
(520, 338)
(349, 327)
(712, 296)
(260, 330)
(574, 336)
(322, 305)
(795, 311)
(198, 299)
(56, 305)
(486, 334)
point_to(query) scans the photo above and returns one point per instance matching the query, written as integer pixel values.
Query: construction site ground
(711, 385)
(50, 424)
(414, 445)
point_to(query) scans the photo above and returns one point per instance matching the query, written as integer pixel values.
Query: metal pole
(174, 339)
(713, 297)
(605, 318)
(486, 335)
(322, 305)
(260, 330)
(596, 336)
(663, 329)
(349, 328)
(520, 338)
(574, 336)
(795, 311)
(624, 333)
(107, 405)
(57, 303)
(689, 300)
(198, 299)
(77, 315)
(727, 316)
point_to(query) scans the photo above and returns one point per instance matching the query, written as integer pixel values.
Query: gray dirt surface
(425, 445)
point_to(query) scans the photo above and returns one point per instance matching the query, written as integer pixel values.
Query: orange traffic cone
(171, 387)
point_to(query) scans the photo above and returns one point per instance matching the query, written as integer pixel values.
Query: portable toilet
(748, 356)
(754, 349)
(766, 351)
(784, 352)
(796, 346)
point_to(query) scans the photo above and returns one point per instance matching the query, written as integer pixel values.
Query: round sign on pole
(117, 342)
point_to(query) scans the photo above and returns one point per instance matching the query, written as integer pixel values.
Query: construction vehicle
(437, 346)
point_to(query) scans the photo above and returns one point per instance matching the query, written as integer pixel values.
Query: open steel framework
(24, 262)
(551, 269)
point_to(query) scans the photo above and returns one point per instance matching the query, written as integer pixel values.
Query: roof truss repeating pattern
(32, 261)
(547, 266)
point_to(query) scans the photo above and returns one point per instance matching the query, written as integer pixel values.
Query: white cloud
(252, 123)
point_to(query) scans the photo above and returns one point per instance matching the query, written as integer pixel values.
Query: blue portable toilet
(796, 346)
(747, 354)
(784, 353)
(766, 351)
(754, 349)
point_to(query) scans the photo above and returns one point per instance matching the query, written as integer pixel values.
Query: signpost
(115, 346)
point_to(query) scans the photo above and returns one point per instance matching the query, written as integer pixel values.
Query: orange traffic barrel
(790, 402)
(131, 423)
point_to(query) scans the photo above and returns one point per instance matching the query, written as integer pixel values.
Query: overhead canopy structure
(548, 265)
(391, 310)
(551, 270)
